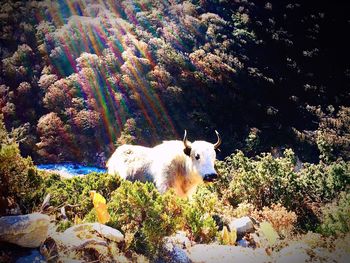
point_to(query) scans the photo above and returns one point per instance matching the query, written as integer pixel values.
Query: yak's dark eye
(197, 156)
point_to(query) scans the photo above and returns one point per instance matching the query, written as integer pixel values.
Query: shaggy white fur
(165, 164)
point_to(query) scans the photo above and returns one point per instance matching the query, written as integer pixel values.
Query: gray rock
(340, 255)
(108, 232)
(179, 238)
(226, 254)
(293, 253)
(243, 225)
(73, 234)
(84, 242)
(173, 249)
(24, 230)
(103, 230)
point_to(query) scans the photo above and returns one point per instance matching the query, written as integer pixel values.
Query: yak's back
(131, 162)
(168, 150)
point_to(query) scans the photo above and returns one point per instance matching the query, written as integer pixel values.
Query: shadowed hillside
(79, 77)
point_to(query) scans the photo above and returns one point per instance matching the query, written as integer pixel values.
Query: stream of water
(70, 169)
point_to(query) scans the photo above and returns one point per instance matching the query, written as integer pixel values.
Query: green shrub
(318, 184)
(253, 140)
(336, 216)
(198, 215)
(90, 217)
(73, 193)
(281, 219)
(261, 181)
(333, 134)
(144, 215)
(265, 180)
(322, 182)
(63, 225)
(18, 175)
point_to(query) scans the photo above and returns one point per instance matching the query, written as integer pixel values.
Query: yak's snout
(210, 177)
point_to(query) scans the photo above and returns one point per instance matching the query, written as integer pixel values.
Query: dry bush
(282, 220)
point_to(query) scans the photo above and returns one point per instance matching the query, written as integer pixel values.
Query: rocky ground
(95, 242)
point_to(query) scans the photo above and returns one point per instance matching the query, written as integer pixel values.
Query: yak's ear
(187, 151)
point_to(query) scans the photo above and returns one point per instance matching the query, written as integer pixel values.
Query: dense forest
(79, 78)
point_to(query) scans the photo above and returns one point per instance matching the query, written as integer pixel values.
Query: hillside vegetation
(307, 205)
(267, 75)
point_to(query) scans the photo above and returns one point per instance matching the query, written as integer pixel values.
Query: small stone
(173, 249)
(24, 230)
(179, 238)
(108, 232)
(243, 243)
(172, 253)
(243, 225)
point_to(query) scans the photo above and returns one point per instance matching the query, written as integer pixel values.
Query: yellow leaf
(233, 236)
(100, 206)
(269, 232)
(227, 237)
(224, 235)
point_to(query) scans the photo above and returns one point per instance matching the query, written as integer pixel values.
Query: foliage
(269, 232)
(252, 141)
(17, 174)
(243, 209)
(260, 182)
(75, 84)
(272, 190)
(239, 55)
(335, 216)
(144, 215)
(198, 215)
(128, 135)
(53, 138)
(282, 221)
(265, 180)
(322, 182)
(333, 135)
(74, 193)
(64, 225)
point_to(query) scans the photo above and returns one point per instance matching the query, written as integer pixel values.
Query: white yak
(180, 165)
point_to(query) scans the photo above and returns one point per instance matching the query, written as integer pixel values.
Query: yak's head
(203, 156)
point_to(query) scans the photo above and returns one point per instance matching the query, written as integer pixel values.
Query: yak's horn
(217, 144)
(187, 145)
